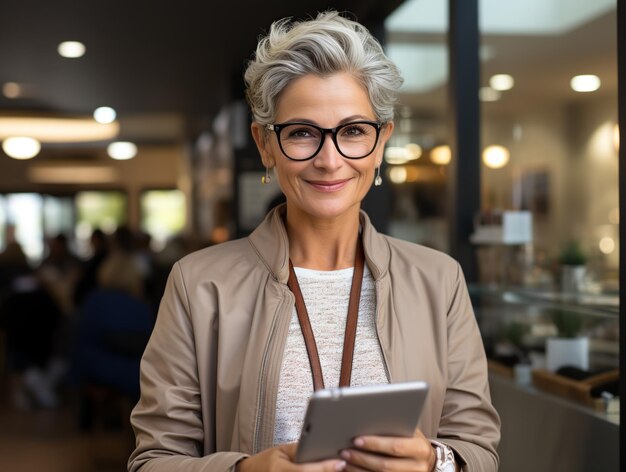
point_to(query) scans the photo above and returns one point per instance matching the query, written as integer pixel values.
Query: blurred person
(89, 277)
(144, 253)
(145, 257)
(13, 261)
(226, 375)
(113, 326)
(121, 266)
(59, 274)
(60, 271)
(31, 319)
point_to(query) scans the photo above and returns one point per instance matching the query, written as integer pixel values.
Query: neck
(323, 244)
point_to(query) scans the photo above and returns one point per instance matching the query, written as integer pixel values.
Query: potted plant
(572, 261)
(568, 347)
(516, 333)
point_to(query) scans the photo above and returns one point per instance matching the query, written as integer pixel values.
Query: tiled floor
(51, 441)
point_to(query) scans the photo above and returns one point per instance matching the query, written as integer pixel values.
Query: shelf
(605, 305)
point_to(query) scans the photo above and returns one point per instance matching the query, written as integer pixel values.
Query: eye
(300, 132)
(354, 130)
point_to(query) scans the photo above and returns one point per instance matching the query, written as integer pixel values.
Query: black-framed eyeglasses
(302, 141)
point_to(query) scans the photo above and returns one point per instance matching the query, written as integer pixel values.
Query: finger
(360, 460)
(354, 468)
(333, 465)
(416, 447)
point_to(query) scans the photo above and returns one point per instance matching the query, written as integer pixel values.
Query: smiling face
(327, 186)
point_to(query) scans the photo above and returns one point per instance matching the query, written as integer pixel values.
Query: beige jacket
(209, 374)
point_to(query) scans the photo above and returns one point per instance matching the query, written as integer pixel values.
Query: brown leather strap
(353, 314)
(307, 330)
(351, 323)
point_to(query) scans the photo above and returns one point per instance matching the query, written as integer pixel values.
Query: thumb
(331, 465)
(289, 449)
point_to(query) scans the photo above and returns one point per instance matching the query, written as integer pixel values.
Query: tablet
(336, 416)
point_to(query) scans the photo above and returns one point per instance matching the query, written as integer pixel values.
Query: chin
(331, 209)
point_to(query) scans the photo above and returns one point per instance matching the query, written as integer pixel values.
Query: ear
(385, 133)
(262, 140)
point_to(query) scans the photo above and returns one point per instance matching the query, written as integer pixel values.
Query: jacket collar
(271, 244)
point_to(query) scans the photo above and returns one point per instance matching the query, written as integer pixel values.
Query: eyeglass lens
(301, 141)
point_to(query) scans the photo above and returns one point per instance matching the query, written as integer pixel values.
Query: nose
(328, 157)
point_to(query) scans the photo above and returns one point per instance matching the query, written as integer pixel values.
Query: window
(163, 215)
(105, 210)
(417, 154)
(558, 157)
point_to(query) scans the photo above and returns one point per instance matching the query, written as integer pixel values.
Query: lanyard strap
(351, 322)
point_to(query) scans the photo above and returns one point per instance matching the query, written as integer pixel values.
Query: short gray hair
(325, 45)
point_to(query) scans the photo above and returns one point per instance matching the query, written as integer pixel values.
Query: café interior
(127, 121)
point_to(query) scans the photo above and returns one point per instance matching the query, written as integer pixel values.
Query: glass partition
(417, 155)
(549, 124)
(547, 235)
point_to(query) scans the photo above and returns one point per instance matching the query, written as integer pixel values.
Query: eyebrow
(347, 119)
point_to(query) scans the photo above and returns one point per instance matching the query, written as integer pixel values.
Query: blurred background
(126, 145)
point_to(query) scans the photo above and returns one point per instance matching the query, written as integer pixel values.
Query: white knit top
(326, 295)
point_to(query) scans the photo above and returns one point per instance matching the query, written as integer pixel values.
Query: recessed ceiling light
(57, 129)
(398, 174)
(441, 155)
(21, 147)
(11, 90)
(71, 174)
(15, 90)
(71, 49)
(487, 94)
(495, 156)
(397, 155)
(607, 245)
(415, 151)
(585, 83)
(122, 150)
(501, 82)
(104, 115)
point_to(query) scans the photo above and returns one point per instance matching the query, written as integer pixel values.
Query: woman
(226, 375)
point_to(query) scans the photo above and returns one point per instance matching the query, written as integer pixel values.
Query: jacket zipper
(261, 392)
(382, 351)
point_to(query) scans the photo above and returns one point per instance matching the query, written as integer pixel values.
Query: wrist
(239, 466)
(444, 458)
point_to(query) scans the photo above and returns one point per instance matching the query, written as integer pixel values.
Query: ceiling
(150, 60)
(541, 60)
(167, 68)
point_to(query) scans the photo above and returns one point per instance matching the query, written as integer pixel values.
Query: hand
(386, 453)
(280, 458)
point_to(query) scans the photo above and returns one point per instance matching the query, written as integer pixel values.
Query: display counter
(518, 323)
(564, 418)
(543, 432)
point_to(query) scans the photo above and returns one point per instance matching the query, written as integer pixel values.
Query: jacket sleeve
(167, 421)
(469, 423)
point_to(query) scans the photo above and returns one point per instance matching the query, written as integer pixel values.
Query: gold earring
(266, 179)
(378, 180)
